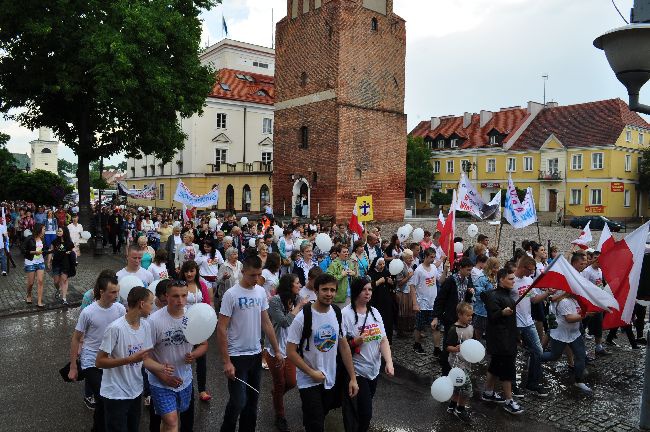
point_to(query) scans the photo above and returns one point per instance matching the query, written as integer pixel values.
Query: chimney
(534, 108)
(435, 122)
(44, 134)
(551, 104)
(486, 116)
(467, 119)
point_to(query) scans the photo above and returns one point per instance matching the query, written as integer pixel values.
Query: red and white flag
(562, 276)
(585, 238)
(621, 264)
(448, 231)
(188, 214)
(354, 225)
(441, 222)
(606, 240)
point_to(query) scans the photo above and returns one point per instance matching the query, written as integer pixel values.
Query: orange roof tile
(260, 90)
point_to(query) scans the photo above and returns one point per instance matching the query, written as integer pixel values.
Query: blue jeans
(578, 348)
(3, 259)
(530, 339)
(242, 403)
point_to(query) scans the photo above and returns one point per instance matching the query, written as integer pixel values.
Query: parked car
(597, 223)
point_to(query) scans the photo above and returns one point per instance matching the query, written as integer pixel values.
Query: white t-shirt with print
(93, 322)
(170, 347)
(323, 344)
(143, 274)
(75, 232)
(368, 362)
(565, 331)
(593, 275)
(244, 307)
(307, 293)
(120, 341)
(38, 258)
(476, 273)
(158, 271)
(426, 289)
(271, 281)
(524, 317)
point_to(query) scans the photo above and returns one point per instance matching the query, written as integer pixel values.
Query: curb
(34, 310)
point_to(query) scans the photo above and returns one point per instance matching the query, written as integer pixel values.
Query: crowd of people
(321, 321)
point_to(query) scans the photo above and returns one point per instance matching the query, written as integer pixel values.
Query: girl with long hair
(62, 262)
(34, 249)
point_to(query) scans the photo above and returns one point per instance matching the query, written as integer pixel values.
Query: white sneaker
(584, 388)
(513, 407)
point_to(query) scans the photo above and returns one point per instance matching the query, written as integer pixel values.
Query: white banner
(185, 196)
(519, 214)
(148, 192)
(469, 200)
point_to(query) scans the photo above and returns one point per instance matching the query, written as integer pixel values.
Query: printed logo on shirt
(371, 332)
(522, 290)
(430, 281)
(132, 349)
(163, 275)
(249, 302)
(325, 338)
(173, 337)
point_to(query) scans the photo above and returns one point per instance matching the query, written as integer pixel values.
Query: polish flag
(441, 222)
(621, 264)
(606, 240)
(188, 214)
(448, 231)
(585, 238)
(354, 225)
(562, 276)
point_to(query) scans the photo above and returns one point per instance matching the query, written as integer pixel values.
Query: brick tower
(340, 127)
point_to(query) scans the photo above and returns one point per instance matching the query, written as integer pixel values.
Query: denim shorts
(34, 267)
(423, 319)
(166, 400)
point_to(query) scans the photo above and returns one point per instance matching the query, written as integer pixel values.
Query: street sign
(364, 208)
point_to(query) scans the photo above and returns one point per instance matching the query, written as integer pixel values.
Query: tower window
(304, 79)
(304, 137)
(46, 150)
(374, 25)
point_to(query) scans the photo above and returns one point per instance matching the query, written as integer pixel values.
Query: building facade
(340, 123)
(44, 152)
(231, 144)
(579, 159)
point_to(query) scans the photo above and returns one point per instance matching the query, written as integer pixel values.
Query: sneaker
(584, 388)
(588, 337)
(462, 415)
(640, 341)
(418, 348)
(492, 397)
(281, 424)
(538, 390)
(517, 392)
(513, 407)
(89, 401)
(4, 273)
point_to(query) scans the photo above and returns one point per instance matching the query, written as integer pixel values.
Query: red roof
(244, 86)
(597, 123)
(506, 122)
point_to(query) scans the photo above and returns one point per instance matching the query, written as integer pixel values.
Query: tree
(105, 76)
(6, 158)
(419, 173)
(121, 166)
(42, 187)
(66, 168)
(644, 170)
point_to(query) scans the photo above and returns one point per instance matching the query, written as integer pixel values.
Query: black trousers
(94, 380)
(316, 403)
(357, 412)
(122, 415)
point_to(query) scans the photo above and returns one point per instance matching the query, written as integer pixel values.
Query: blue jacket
(483, 284)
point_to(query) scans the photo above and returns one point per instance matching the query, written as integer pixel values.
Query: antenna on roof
(272, 36)
(545, 78)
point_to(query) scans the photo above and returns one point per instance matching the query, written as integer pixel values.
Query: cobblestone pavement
(13, 287)
(617, 382)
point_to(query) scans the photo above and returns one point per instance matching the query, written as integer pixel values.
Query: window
(450, 166)
(441, 143)
(267, 157)
(374, 25)
(628, 163)
(628, 136)
(261, 93)
(512, 164)
(466, 165)
(224, 86)
(528, 163)
(180, 167)
(553, 166)
(491, 165)
(436, 167)
(132, 186)
(454, 143)
(221, 120)
(220, 157)
(626, 198)
(144, 171)
(46, 150)
(161, 191)
(493, 139)
(153, 169)
(596, 161)
(576, 162)
(576, 196)
(596, 197)
(132, 171)
(161, 169)
(267, 126)
(261, 65)
(640, 137)
(304, 137)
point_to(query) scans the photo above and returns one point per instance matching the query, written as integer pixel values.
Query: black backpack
(306, 328)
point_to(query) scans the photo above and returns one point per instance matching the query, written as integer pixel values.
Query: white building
(231, 143)
(45, 152)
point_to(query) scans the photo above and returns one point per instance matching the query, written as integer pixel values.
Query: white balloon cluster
(85, 235)
(472, 230)
(243, 221)
(200, 322)
(396, 266)
(212, 223)
(442, 388)
(404, 232)
(324, 242)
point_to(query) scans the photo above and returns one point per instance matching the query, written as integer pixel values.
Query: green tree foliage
(419, 173)
(66, 168)
(644, 170)
(97, 181)
(42, 187)
(6, 158)
(105, 76)
(441, 198)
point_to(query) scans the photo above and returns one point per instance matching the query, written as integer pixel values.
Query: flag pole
(539, 236)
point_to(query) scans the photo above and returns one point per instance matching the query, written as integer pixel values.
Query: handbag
(65, 370)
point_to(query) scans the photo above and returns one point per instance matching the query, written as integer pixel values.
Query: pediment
(222, 138)
(266, 142)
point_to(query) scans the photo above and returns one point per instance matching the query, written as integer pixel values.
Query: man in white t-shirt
(172, 394)
(594, 323)
(315, 357)
(91, 325)
(423, 287)
(133, 268)
(242, 317)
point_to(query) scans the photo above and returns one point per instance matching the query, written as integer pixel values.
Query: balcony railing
(550, 176)
(240, 167)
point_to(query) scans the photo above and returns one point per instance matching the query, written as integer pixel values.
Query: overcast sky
(462, 55)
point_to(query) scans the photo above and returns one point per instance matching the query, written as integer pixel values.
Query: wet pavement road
(33, 397)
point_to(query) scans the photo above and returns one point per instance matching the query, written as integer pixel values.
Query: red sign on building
(490, 185)
(595, 209)
(617, 187)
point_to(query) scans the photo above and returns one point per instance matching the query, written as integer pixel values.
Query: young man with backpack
(314, 339)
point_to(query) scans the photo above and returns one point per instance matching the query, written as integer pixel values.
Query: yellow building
(578, 159)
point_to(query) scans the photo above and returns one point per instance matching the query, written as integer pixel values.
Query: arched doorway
(265, 196)
(301, 207)
(246, 198)
(230, 198)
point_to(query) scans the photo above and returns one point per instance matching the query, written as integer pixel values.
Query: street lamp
(627, 51)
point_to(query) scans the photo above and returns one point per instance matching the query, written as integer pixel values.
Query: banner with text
(185, 196)
(519, 214)
(148, 192)
(469, 200)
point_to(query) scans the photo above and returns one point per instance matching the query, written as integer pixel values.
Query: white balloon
(150, 208)
(176, 224)
(643, 302)
(213, 223)
(277, 232)
(324, 242)
(85, 235)
(402, 233)
(457, 376)
(252, 242)
(127, 284)
(199, 323)
(140, 209)
(409, 228)
(243, 220)
(152, 286)
(472, 230)
(297, 243)
(396, 266)
(27, 233)
(212, 214)
(75, 209)
(418, 235)
(458, 248)
(442, 389)
(472, 350)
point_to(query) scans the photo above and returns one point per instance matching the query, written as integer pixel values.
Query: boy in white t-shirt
(424, 289)
(242, 317)
(594, 274)
(133, 267)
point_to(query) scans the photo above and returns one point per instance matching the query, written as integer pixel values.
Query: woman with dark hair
(197, 292)
(283, 308)
(34, 250)
(364, 329)
(394, 249)
(62, 264)
(209, 261)
(383, 294)
(270, 278)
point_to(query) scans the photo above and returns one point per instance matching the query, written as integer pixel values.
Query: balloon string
(250, 386)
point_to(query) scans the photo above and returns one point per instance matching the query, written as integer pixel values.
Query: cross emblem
(365, 208)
